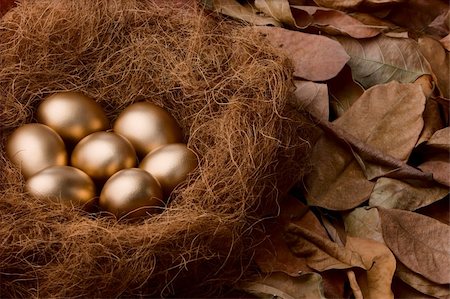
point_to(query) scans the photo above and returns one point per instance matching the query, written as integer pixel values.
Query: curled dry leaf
(422, 284)
(386, 117)
(405, 195)
(439, 210)
(234, 9)
(380, 265)
(439, 61)
(314, 57)
(419, 242)
(383, 59)
(337, 22)
(439, 165)
(364, 222)
(440, 140)
(283, 286)
(312, 97)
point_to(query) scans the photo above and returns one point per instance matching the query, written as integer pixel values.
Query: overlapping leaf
(383, 59)
(419, 242)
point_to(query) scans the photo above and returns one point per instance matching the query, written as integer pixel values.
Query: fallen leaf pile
(371, 220)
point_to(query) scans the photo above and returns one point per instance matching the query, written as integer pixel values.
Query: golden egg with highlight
(170, 165)
(131, 193)
(72, 115)
(34, 147)
(64, 184)
(101, 154)
(147, 126)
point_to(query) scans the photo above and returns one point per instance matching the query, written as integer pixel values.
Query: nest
(229, 92)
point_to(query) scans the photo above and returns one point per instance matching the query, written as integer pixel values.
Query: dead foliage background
(371, 218)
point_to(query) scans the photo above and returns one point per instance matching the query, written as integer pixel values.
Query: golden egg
(131, 193)
(170, 164)
(65, 184)
(101, 154)
(73, 115)
(34, 147)
(147, 126)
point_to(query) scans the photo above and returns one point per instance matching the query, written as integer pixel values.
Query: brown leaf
(312, 97)
(432, 121)
(321, 254)
(380, 262)
(416, 15)
(422, 284)
(315, 57)
(383, 59)
(234, 9)
(364, 222)
(419, 242)
(439, 165)
(283, 286)
(438, 59)
(354, 4)
(445, 41)
(440, 140)
(386, 117)
(405, 195)
(344, 91)
(281, 11)
(273, 254)
(337, 22)
(440, 25)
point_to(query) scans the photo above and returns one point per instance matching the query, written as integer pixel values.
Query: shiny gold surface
(170, 164)
(147, 126)
(34, 147)
(65, 184)
(131, 193)
(101, 154)
(73, 115)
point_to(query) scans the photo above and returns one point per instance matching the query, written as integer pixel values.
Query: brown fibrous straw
(229, 91)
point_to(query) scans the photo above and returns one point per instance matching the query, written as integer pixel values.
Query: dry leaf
(419, 242)
(422, 284)
(281, 11)
(440, 140)
(234, 9)
(354, 4)
(432, 121)
(417, 15)
(344, 91)
(273, 254)
(312, 97)
(380, 262)
(321, 254)
(382, 59)
(405, 195)
(283, 286)
(439, 165)
(386, 117)
(337, 22)
(364, 222)
(315, 58)
(441, 24)
(445, 41)
(439, 61)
